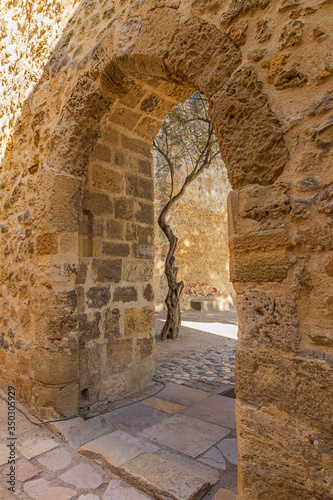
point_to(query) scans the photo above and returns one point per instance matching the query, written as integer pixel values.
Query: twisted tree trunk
(172, 325)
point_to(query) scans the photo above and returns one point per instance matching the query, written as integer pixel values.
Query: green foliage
(186, 139)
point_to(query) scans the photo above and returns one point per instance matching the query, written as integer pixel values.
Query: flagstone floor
(179, 444)
(182, 442)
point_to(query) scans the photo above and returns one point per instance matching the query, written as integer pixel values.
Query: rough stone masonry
(85, 86)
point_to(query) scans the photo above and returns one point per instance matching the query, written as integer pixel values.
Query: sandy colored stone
(83, 476)
(24, 470)
(185, 434)
(160, 478)
(34, 446)
(163, 405)
(114, 451)
(41, 489)
(118, 491)
(218, 410)
(76, 431)
(194, 466)
(56, 460)
(182, 395)
(89, 496)
(64, 73)
(4, 454)
(139, 443)
(137, 417)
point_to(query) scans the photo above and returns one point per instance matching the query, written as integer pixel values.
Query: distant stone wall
(199, 219)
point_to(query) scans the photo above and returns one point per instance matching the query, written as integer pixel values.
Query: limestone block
(137, 270)
(116, 249)
(261, 203)
(145, 213)
(107, 179)
(46, 244)
(139, 187)
(259, 267)
(107, 270)
(259, 375)
(125, 294)
(120, 352)
(59, 207)
(52, 402)
(111, 324)
(163, 27)
(124, 208)
(139, 320)
(98, 296)
(115, 229)
(54, 367)
(210, 44)
(89, 328)
(139, 375)
(97, 203)
(242, 116)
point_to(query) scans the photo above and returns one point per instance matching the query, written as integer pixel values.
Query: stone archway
(85, 319)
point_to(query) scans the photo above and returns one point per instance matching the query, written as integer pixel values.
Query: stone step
(167, 475)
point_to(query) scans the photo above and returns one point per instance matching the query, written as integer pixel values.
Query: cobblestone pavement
(203, 356)
(204, 370)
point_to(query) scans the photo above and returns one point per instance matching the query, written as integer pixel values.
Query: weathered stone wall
(199, 220)
(266, 69)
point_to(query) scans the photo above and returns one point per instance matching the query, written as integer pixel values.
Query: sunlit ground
(221, 329)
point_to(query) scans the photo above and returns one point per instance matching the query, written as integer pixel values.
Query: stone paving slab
(76, 431)
(142, 444)
(24, 470)
(214, 458)
(113, 451)
(198, 469)
(218, 410)
(33, 446)
(101, 424)
(182, 395)
(163, 405)
(89, 496)
(117, 491)
(136, 417)
(4, 452)
(229, 449)
(41, 489)
(83, 476)
(38, 478)
(186, 434)
(57, 460)
(163, 479)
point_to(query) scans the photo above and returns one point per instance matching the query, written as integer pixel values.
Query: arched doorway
(101, 114)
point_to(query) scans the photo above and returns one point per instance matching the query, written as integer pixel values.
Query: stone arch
(108, 120)
(122, 81)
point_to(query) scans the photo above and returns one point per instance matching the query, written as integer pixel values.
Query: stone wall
(114, 72)
(199, 220)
